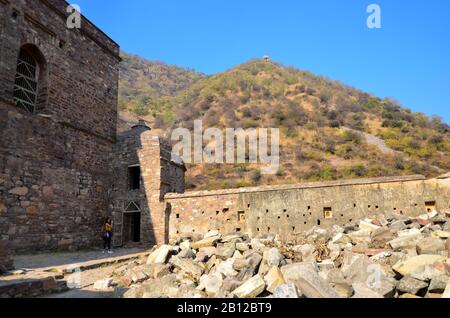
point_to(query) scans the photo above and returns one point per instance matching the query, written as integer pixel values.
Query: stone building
(58, 114)
(63, 168)
(144, 171)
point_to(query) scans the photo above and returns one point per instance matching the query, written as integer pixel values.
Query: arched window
(30, 67)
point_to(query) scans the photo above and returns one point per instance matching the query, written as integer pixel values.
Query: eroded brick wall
(288, 210)
(55, 164)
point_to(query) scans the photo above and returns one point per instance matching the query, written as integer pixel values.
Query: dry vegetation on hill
(313, 113)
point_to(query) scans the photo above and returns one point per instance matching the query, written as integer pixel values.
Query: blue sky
(407, 59)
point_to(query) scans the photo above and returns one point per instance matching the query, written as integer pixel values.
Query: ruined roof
(298, 186)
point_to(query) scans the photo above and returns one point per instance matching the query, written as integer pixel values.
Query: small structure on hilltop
(266, 58)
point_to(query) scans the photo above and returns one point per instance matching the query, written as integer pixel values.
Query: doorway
(132, 227)
(132, 223)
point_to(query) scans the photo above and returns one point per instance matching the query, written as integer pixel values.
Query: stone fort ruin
(64, 168)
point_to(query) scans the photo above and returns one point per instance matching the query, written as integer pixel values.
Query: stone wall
(55, 164)
(288, 210)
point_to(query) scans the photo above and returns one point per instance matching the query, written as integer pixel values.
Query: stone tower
(144, 171)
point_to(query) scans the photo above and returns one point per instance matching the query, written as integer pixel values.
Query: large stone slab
(274, 278)
(414, 263)
(206, 242)
(286, 291)
(431, 245)
(159, 256)
(308, 281)
(251, 288)
(187, 266)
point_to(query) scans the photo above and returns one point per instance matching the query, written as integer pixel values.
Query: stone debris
(389, 256)
(103, 284)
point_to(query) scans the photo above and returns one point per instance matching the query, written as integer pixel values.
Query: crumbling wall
(288, 210)
(55, 163)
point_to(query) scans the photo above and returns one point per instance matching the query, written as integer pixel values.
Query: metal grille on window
(25, 88)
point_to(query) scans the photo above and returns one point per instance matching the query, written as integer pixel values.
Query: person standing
(107, 237)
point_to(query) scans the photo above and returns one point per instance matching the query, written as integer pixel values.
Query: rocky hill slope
(328, 130)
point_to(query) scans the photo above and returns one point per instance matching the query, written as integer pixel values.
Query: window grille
(25, 87)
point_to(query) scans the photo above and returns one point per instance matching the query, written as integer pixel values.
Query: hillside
(328, 130)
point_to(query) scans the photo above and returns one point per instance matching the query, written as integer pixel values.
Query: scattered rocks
(384, 257)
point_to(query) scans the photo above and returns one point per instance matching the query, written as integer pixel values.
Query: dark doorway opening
(134, 177)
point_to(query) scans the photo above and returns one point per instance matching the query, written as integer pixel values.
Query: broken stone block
(211, 283)
(257, 245)
(360, 237)
(341, 238)
(187, 266)
(334, 250)
(185, 245)
(271, 257)
(230, 284)
(286, 291)
(412, 264)
(231, 238)
(206, 242)
(253, 261)
(308, 281)
(292, 272)
(186, 253)
(274, 278)
(411, 285)
(438, 284)
(251, 288)
(405, 241)
(381, 236)
(426, 273)
(398, 225)
(156, 270)
(242, 247)
(212, 233)
(103, 284)
(159, 256)
(308, 253)
(361, 290)
(366, 225)
(226, 251)
(344, 290)
(441, 234)
(430, 245)
(226, 268)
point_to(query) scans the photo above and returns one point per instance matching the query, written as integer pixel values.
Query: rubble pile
(387, 256)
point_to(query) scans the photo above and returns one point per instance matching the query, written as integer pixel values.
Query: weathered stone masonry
(160, 173)
(54, 163)
(287, 210)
